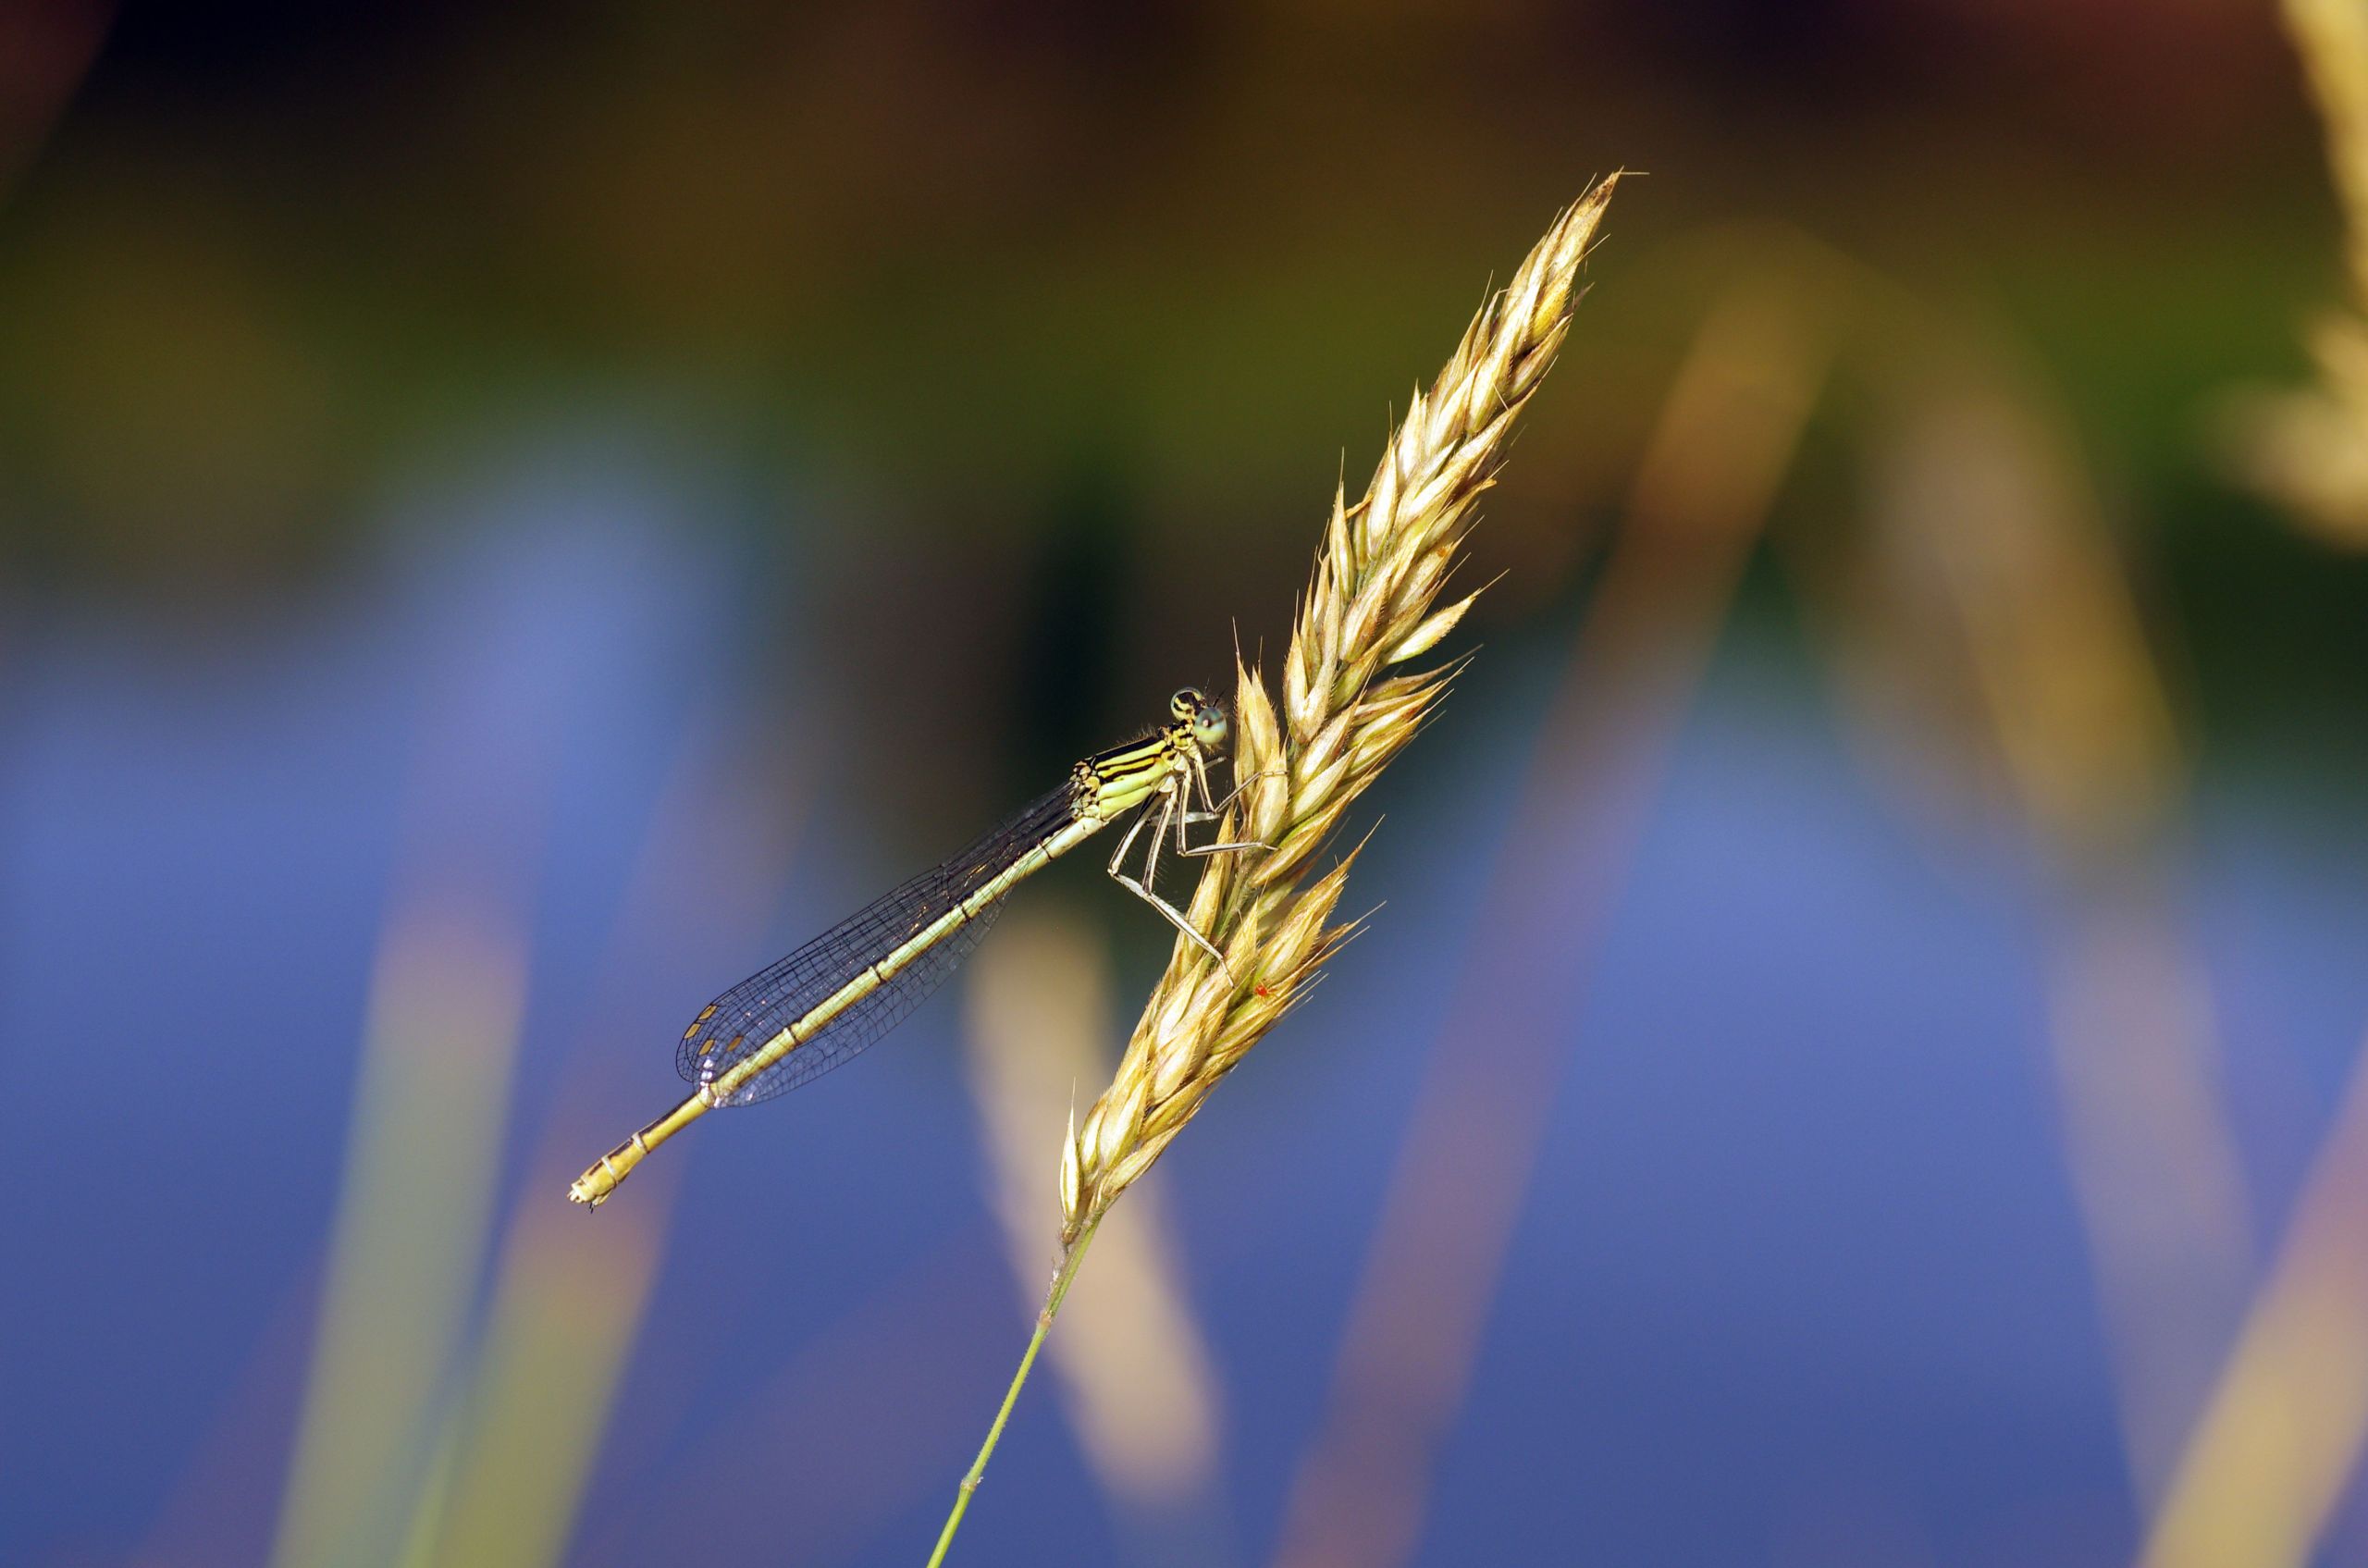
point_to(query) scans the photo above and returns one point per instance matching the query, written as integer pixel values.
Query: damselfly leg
(1172, 805)
(1215, 813)
(1216, 808)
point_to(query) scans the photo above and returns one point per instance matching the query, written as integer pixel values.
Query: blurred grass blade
(2331, 37)
(569, 1296)
(1986, 518)
(429, 1107)
(2285, 1425)
(570, 1299)
(2307, 447)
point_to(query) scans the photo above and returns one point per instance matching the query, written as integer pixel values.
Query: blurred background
(512, 518)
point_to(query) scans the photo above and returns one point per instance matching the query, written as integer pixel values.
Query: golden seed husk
(1371, 604)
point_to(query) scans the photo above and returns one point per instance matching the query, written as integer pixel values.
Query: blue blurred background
(511, 519)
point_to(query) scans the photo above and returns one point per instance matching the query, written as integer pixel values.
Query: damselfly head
(1205, 716)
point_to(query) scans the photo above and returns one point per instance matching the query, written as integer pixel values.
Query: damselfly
(798, 1018)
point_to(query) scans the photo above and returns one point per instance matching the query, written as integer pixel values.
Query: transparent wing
(738, 1023)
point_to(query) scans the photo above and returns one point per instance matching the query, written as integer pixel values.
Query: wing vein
(738, 1024)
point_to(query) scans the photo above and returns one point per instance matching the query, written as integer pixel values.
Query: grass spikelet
(1371, 605)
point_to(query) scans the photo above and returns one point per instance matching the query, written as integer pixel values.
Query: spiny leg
(1170, 800)
(1216, 808)
(1141, 888)
(1184, 849)
(1199, 849)
(1216, 812)
(1128, 842)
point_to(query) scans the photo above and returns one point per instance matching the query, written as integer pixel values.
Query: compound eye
(1187, 703)
(1210, 727)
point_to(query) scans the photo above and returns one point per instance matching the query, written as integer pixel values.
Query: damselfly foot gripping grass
(798, 1018)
